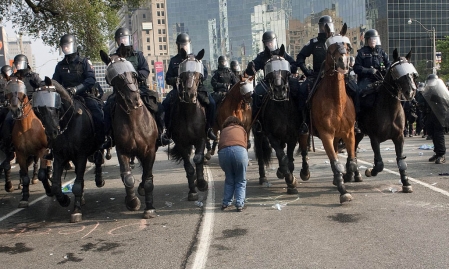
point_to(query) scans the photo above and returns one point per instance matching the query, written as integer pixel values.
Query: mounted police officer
(235, 68)
(317, 48)
(371, 63)
(149, 97)
(222, 80)
(205, 99)
(269, 40)
(24, 73)
(6, 72)
(76, 75)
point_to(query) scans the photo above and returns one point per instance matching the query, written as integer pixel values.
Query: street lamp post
(434, 69)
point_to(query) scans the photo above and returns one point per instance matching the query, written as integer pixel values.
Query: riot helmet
(123, 36)
(183, 41)
(6, 70)
(372, 38)
(223, 62)
(235, 67)
(68, 44)
(20, 62)
(323, 21)
(269, 40)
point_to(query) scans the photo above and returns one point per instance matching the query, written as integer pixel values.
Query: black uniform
(366, 59)
(30, 79)
(222, 80)
(204, 97)
(75, 72)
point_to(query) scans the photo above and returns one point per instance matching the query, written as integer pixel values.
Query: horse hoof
(345, 198)
(262, 180)
(192, 196)
(76, 217)
(141, 190)
(34, 181)
(358, 178)
(368, 172)
(108, 155)
(99, 183)
(347, 178)
(149, 214)
(208, 155)
(292, 191)
(212, 152)
(407, 189)
(304, 176)
(9, 187)
(132, 204)
(279, 174)
(203, 187)
(23, 204)
(65, 201)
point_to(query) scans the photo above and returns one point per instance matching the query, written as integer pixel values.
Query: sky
(45, 56)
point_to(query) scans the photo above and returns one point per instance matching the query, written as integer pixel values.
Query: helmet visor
(186, 47)
(322, 28)
(7, 71)
(125, 40)
(68, 48)
(20, 65)
(374, 41)
(272, 44)
(223, 63)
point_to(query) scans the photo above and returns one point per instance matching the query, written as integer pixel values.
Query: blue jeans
(234, 160)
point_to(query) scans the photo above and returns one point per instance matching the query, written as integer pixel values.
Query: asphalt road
(381, 228)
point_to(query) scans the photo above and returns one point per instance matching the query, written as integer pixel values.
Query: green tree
(443, 46)
(91, 21)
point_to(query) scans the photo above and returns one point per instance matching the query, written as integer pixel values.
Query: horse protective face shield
(14, 88)
(246, 86)
(117, 67)
(46, 97)
(404, 75)
(341, 64)
(401, 69)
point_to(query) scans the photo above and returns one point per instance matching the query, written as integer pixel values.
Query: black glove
(308, 73)
(71, 90)
(171, 81)
(371, 70)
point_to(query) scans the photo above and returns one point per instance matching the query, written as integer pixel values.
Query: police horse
(386, 119)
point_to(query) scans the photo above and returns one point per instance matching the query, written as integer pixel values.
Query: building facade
(18, 46)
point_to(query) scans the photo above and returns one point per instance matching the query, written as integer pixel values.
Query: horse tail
(177, 153)
(262, 148)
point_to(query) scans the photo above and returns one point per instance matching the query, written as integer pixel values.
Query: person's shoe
(433, 158)
(440, 159)
(303, 129)
(211, 135)
(240, 208)
(225, 207)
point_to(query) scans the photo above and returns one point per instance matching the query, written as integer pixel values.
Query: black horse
(135, 131)
(189, 122)
(70, 131)
(386, 119)
(280, 120)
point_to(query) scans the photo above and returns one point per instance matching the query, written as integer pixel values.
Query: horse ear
(395, 55)
(282, 50)
(344, 29)
(104, 57)
(47, 81)
(183, 53)
(409, 56)
(200, 55)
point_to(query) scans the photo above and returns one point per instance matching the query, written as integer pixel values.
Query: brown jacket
(233, 135)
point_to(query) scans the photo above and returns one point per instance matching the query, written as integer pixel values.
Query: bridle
(397, 70)
(340, 41)
(190, 67)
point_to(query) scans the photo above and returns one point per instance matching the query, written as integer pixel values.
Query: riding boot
(304, 128)
(210, 115)
(162, 139)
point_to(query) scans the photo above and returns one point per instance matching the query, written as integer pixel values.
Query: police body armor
(437, 97)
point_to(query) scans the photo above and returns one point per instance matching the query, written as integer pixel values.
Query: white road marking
(12, 213)
(207, 225)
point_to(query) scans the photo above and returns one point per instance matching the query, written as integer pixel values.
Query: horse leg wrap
(25, 178)
(148, 185)
(351, 165)
(128, 179)
(77, 188)
(402, 165)
(42, 174)
(337, 167)
(198, 158)
(378, 165)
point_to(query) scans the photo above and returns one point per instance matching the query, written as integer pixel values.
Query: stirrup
(107, 143)
(163, 140)
(303, 129)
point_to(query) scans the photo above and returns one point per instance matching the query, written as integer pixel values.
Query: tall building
(100, 71)
(18, 46)
(206, 20)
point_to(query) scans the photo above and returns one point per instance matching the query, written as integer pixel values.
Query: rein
(22, 110)
(70, 119)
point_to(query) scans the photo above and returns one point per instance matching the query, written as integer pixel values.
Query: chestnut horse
(28, 138)
(237, 103)
(386, 119)
(280, 120)
(189, 122)
(333, 112)
(135, 131)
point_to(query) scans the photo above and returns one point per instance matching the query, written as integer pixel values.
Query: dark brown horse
(333, 112)
(28, 138)
(189, 122)
(386, 119)
(135, 131)
(237, 103)
(280, 120)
